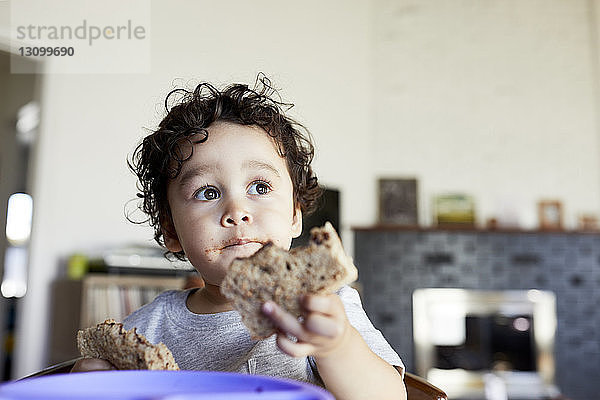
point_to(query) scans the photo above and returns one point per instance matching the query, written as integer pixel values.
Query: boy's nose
(235, 215)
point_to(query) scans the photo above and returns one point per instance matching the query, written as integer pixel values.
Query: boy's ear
(170, 236)
(297, 222)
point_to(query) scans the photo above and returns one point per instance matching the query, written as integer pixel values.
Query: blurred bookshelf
(81, 303)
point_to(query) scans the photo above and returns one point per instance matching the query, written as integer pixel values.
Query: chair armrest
(61, 368)
(418, 388)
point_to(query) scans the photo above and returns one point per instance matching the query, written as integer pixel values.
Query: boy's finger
(323, 326)
(92, 364)
(283, 320)
(323, 304)
(294, 349)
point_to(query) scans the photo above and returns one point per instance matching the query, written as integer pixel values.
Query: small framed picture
(588, 223)
(550, 214)
(454, 210)
(398, 202)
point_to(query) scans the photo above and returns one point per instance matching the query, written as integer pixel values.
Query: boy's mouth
(240, 242)
(240, 248)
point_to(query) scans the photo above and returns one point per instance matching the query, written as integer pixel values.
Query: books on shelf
(116, 297)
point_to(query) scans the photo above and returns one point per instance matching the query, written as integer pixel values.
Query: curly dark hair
(160, 156)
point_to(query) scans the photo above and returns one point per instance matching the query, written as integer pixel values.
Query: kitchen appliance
(464, 337)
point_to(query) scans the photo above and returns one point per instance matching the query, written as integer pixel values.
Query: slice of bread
(124, 349)
(273, 273)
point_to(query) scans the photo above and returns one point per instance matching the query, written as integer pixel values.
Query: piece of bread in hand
(273, 273)
(124, 349)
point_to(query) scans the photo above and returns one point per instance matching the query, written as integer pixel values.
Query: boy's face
(232, 196)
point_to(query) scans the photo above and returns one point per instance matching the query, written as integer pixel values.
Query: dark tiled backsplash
(392, 264)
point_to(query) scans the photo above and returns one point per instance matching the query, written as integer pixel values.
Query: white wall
(492, 98)
(497, 99)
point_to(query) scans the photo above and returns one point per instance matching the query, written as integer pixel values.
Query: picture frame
(398, 201)
(588, 223)
(454, 210)
(550, 213)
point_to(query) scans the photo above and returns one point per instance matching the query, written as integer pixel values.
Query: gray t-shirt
(220, 342)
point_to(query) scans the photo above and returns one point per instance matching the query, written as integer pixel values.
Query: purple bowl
(160, 385)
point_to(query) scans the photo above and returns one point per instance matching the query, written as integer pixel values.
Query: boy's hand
(92, 364)
(324, 330)
(344, 360)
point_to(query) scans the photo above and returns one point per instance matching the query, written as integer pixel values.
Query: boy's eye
(207, 193)
(259, 188)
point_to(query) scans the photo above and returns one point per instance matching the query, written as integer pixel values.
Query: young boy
(226, 172)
